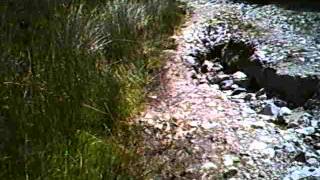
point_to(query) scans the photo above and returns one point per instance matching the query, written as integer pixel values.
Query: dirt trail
(193, 130)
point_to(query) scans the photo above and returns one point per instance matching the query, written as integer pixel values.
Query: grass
(70, 73)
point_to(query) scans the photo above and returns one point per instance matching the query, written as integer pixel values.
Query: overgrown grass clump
(70, 72)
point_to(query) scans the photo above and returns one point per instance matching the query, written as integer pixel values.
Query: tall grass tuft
(70, 72)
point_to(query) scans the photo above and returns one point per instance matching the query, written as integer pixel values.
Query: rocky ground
(238, 98)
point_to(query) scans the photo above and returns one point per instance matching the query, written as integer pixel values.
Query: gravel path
(195, 129)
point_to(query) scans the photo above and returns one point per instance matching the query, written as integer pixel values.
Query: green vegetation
(70, 73)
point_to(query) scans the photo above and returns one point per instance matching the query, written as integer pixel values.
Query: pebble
(270, 152)
(248, 110)
(248, 97)
(229, 173)
(315, 123)
(218, 78)
(229, 160)
(226, 84)
(270, 109)
(209, 125)
(306, 131)
(258, 124)
(290, 148)
(257, 145)
(209, 65)
(313, 162)
(239, 76)
(262, 97)
(208, 165)
(284, 111)
(190, 60)
(304, 172)
(238, 90)
(261, 92)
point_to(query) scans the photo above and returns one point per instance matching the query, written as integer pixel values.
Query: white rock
(304, 173)
(306, 131)
(239, 75)
(269, 152)
(190, 60)
(258, 124)
(258, 145)
(315, 123)
(284, 111)
(208, 165)
(212, 104)
(194, 123)
(247, 110)
(313, 162)
(215, 86)
(209, 125)
(228, 160)
(209, 64)
(289, 147)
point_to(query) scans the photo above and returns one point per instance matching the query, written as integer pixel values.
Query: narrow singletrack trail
(194, 130)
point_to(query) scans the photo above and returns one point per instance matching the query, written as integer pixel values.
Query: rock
(229, 173)
(311, 155)
(301, 157)
(238, 90)
(217, 67)
(229, 160)
(284, 111)
(204, 69)
(226, 84)
(190, 60)
(269, 152)
(247, 110)
(215, 86)
(218, 78)
(317, 146)
(239, 101)
(208, 65)
(281, 121)
(261, 92)
(258, 125)
(208, 165)
(290, 136)
(234, 86)
(290, 148)
(194, 76)
(306, 131)
(270, 109)
(257, 145)
(315, 123)
(313, 162)
(241, 95)
(303, 173)
(239, 76)
(262, 97)
(209, 125)
(292, 124)
(279, 102)
(249, 97)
